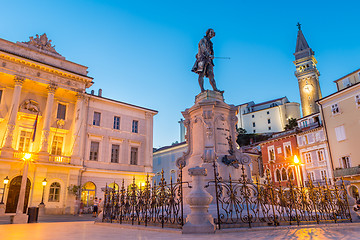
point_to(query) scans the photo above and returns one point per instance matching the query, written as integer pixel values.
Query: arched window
(88, 193)
(114, 185)
(291, 174)
(278, 175)
(54, 192)
(283, 174)
(354, 192)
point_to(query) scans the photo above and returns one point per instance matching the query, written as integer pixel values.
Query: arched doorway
(13, 195)
(354, 191)
(88, 193)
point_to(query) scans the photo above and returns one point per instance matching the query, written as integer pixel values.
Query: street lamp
(6, 180)
(297, 170)
(44, 182)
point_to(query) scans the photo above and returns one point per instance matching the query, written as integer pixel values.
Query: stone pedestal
(210, 123)
(41, 209)
(20, 218)
(2, 209)
(199, 220)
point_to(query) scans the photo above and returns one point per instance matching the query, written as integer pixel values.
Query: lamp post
(6, 180)
(297, 170)
(44, 182)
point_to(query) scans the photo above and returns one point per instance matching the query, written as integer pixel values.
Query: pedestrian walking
(95, 207)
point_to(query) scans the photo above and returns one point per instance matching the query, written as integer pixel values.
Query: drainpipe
(327, 140)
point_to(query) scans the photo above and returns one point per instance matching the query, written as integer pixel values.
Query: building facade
(341, 114)
(278, 158)
(52, 129)
(313, 149)
(267, 117)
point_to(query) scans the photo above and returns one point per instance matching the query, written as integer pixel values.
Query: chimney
(100, 92)
(92, 92)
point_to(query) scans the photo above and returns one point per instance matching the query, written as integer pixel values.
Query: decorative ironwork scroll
(245, 203)
(157, 204)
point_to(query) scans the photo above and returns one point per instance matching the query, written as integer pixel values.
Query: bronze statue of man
(204, 65)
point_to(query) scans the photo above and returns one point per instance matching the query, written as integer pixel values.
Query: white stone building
(267, 117)
(64, 135)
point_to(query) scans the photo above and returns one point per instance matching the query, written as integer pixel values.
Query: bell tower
(307, 75)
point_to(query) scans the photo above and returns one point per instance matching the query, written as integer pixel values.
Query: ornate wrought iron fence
(245, 203)
(159, 204)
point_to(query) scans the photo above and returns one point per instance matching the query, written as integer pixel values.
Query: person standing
(95, 207)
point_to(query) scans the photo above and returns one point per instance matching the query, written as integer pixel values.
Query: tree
(292, 123)
(245, 139)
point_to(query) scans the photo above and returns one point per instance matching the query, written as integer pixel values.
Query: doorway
(13, 195)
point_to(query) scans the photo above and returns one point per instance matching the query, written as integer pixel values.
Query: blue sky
(141, 52)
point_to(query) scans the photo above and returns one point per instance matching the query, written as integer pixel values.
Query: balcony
(25, 155)
(59, 159)
(347, 171)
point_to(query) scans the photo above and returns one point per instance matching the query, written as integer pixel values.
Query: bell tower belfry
(307, 75)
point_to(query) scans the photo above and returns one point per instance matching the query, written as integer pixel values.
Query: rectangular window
(321, 156)
(323, 174)
(61, 111)
(254, 131)
(307, 157)
(269, 121)
(312, 176)
(56, 147)
(135, 125)
(253, 124)
(335, 109)
(345, 162)
(94, 151)
(279, 150)
(134, 156)
(267, 112)
(271, 153)
(357, 100)
(252, 116)
(115, 153)
(116, 122)
(97, 117)
(269, 128)
(340, 133)
(1, 93)
(24, 141)
(287, 149)
(304, 124)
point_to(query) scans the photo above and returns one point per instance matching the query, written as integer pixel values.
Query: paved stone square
(88, 231)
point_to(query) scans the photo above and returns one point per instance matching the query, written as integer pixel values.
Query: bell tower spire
(307, 75)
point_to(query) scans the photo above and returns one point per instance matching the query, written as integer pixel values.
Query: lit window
(287, 149)
(321, 155)
(312, 176)
(115, 153)
(134, 156)
(54, 192)
(97, 117)
(24, 141)
(345, 162)
(94, 151)
(323, 174)
(61, 111)
(271, 153)
(116, 122)
(335, 109)
(307, 157)
(278, 175)
(56, 147)
(135, 125)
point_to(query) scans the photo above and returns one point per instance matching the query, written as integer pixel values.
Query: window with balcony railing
(24, 141)
(57, 144)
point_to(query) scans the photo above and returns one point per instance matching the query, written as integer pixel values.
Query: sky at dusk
(142, 52)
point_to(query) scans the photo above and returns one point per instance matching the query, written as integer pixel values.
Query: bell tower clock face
(308, 88)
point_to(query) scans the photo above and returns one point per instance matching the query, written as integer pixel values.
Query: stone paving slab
(90, 231)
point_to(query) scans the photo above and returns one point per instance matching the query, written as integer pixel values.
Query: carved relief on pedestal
(208, 118)
(9, 135)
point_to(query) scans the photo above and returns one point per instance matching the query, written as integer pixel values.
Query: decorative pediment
(42, 43)
(29, 106)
